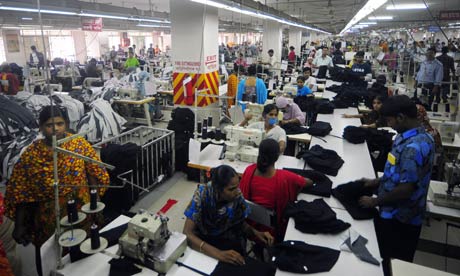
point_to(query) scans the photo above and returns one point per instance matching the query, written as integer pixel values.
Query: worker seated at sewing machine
(268, 124)
(216, 219)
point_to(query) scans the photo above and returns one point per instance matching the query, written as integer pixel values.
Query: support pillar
(194, 36)
(295, 39)
(271, 39)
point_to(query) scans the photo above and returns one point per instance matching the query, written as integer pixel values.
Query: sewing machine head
(290, 90)
(246, 135)
(128, 92)
(149, 240)
(452, 174)
(256, 111)
(447, 130)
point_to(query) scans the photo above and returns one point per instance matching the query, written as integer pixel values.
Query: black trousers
(427, 88)
(396, 241)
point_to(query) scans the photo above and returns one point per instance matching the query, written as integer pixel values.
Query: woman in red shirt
(291, 56)
(271, 188)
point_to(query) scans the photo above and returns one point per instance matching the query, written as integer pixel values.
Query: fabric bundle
(315, 217)
(35, 103)
(15, 120)
(299, 257)
(11, 151)
(354, 135)
(349, 194)
(319, 128)
(322, 185)
(323, 160)
(325, 107)
(101, 122)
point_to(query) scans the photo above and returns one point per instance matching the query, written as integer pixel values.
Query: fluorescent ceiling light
(406, 7)
(256, 14)
(368, 8)
(380, 18)
(103, 16)
(453, 24)
(152, 26)
(368, 23)
(27, 18)
(8, 8)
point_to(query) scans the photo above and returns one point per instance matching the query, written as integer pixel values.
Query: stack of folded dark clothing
(251, 267)
(349, 194)
(324, 107)
(319, 128)
(314, 217)
(299, 257)
(323, 160)
(355, 135)
(322, 185)
(292, 128)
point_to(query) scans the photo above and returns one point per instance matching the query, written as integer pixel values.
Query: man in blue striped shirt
(430, 76)
(402, 190)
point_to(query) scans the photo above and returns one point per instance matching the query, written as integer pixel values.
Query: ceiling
(329, 15)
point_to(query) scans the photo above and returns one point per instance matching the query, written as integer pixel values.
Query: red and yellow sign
(209, 81)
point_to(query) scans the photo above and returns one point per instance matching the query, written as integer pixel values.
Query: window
(63, 47)
(2, 50)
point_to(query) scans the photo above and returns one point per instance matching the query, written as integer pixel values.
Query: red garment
(291, 56)
(9, 83)
(272, 193)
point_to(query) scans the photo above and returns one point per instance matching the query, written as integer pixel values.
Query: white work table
(209, 158)
(454, 144)
(97, 264)
(402, 268)
(348, 263)
(357, 164)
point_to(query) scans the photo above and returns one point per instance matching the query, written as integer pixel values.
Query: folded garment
(323, 160)
(355, 135)
(123, 267)
(325, 107)
(355, 243)
(299, 257)
(314, 217)
(322, 185)
(319, 129)
(293, 128)
(349, 193)
(250, 268)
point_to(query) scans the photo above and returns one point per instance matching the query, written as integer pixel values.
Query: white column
(80, 45)
(295, 39)
(194, 39)
(272, 36)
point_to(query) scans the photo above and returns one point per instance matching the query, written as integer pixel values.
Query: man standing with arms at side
(448, 65)
(36, 58)
(430, 76)
(402, 190)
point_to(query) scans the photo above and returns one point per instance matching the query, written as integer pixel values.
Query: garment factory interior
(229, 137)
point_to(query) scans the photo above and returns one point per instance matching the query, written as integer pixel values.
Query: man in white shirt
(309, 80)
(270, 62)
(324, 59)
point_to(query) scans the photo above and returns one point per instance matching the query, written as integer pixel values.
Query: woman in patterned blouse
(215, 223)
(29, 197)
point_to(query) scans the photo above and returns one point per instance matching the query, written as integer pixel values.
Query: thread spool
(94, 235)
(210, 121)
(218, 135)
(93, 199)
(448, 107)
(72, 213)
(204, 132)
(199, 127)
(205, 123)
(435, 107)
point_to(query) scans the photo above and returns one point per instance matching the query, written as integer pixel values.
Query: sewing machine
(128, 92)
(447, 131)
(243, 143)
(447, 193)
(148, 240)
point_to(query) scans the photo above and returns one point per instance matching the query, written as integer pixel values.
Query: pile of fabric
(35, 103)
(101, 122)
(18, 129)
